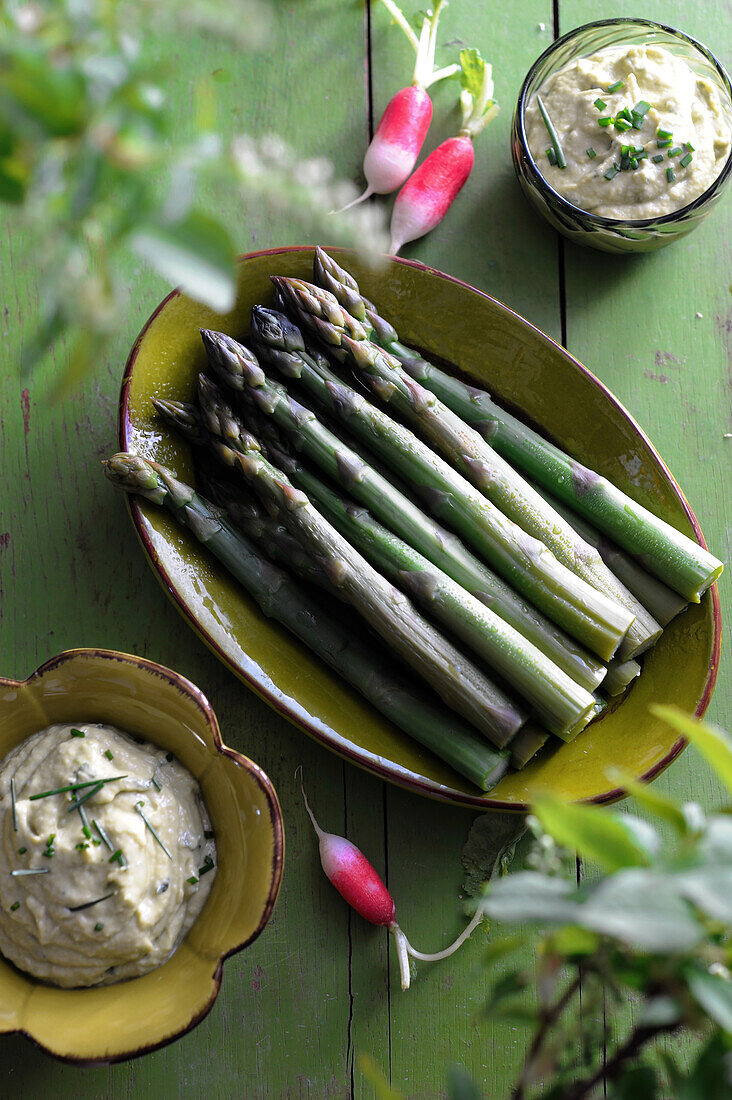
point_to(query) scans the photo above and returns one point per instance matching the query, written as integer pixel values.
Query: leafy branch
(95, 158)
(653, 927)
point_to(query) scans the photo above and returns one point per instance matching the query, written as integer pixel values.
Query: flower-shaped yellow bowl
(109, 1023)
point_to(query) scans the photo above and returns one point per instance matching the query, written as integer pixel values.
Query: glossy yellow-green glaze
(152, 702)
(495, 348)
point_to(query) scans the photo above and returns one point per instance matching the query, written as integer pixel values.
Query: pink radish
(395, 146)
(359, 883)
(430, 191)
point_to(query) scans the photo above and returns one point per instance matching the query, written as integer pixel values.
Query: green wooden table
(319, 986)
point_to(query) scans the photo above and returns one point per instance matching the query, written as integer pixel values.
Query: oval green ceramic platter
(494, 347)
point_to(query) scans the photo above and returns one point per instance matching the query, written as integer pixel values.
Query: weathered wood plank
(490, 239)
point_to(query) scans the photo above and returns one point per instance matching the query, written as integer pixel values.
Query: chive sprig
(553, 136)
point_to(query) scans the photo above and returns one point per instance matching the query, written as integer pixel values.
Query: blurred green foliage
(652, 929)
(92, 152)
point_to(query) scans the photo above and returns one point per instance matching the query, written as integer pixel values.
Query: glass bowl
(609, 234)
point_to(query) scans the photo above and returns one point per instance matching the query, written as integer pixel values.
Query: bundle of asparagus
(534, 588)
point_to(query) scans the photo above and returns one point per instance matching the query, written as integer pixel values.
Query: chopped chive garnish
(600, 104)
(102, 834)
(591, 153)
(621, 125)
(149, 826)
(78, 802)
(658, 158)
(14, 906)
(551, 156)
(624, 163)
(612, 172)
(642, 107)
(117, 857)
(685, 161)
(633, 163)
(15, 808)
(30, 871)
(168, 756)
(558, 151)
(663, 143)
(88, 904)
(77, 733)
(208, 834)
(689, 146)
(625, 150)
(670, 175)
(22, 851)
(95, 842)
(624, 114)
(207, 865)
(108, 754)
(86, 831)
(663, 134)
(675, 151)
(616, 86)
(193, 880)
(98, 927)
(606, 120)
(75, 787)
(81, 846)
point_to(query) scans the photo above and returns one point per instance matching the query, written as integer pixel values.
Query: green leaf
(657, 804)
(195, 253)
(596, 833)
(490, 847)
(530, 896)
(636, 1083)
(461, 1086)
(572, 941)
(35, 87)
(711, 1075)
(713, 993)
(709, 888)
(507, 986)
(376, 1078)
(714, 744)
(642, 909)
(14, 177)
(500, 948)
(659, 1011)
(472, 71)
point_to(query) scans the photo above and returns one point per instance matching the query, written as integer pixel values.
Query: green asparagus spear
(660, 600)
(278, 341)
(677, 560)
(619, 675)
(527, 742)
(470, 454)
(246, 514)
(476, 459)
(556, 699)
(590, 616)
(334, 638)
(456, 679)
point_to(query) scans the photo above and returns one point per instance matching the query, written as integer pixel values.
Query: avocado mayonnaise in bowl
(622, 135)
(137, 852)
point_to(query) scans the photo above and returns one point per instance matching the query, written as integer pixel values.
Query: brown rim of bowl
(178, 681)
(276, 701)
(597, 219)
